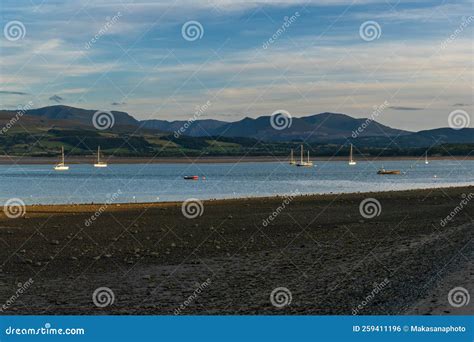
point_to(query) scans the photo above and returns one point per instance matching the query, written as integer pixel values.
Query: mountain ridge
(323, 125)
(326, 127)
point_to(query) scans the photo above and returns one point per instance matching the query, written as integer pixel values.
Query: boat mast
(98, 154)
(351, 154)
(62, 154)
(291, 157)
(308, 157)
(301, 154)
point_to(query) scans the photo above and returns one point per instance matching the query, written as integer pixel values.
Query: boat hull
(395, 172)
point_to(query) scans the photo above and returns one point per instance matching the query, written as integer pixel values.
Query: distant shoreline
(6, 160)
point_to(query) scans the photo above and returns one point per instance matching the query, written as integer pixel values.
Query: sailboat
(292, 159)
(351, 159)
(61, 166)
(99, 163)
(303, 163)
(426, 158)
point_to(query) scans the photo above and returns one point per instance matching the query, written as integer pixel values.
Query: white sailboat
(303, 163)
(292, 159)
(99, 163)
(61, 166)
(351, 159)
(426, 158)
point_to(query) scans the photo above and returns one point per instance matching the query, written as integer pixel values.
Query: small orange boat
(191, 177)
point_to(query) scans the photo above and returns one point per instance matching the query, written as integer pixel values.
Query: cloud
(405, 108)
(73, 91)
(7, 92)
(319, 64)
(56, 98)
(432, 13)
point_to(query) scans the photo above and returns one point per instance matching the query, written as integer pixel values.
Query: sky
(239, 58)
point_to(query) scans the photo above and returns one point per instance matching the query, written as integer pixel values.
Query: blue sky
(141, 63)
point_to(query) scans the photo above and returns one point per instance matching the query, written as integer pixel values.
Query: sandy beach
(319, 250)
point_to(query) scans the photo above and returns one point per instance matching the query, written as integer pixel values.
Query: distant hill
(318, 127)
(71, 117)
(202, 129)
(427, 138)
(43, 131)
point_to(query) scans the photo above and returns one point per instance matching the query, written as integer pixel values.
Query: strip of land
(229, 259)
(9, 160)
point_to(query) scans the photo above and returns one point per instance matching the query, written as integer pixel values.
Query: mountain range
(324, 128)
(318, 127)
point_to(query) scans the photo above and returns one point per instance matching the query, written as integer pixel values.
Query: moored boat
(292, 159)
(388, 172)
(99, 163)
(61, 166)
(191, 177)
(303, 163)
(351, 158)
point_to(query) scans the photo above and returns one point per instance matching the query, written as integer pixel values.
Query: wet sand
(228, 261)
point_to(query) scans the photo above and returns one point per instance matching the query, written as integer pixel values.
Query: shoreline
(12, 160)
(321, 248)
(312, 196)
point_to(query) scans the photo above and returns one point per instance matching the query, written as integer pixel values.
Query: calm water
(40, 184)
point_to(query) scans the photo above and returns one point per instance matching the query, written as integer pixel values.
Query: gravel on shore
(318, 254)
